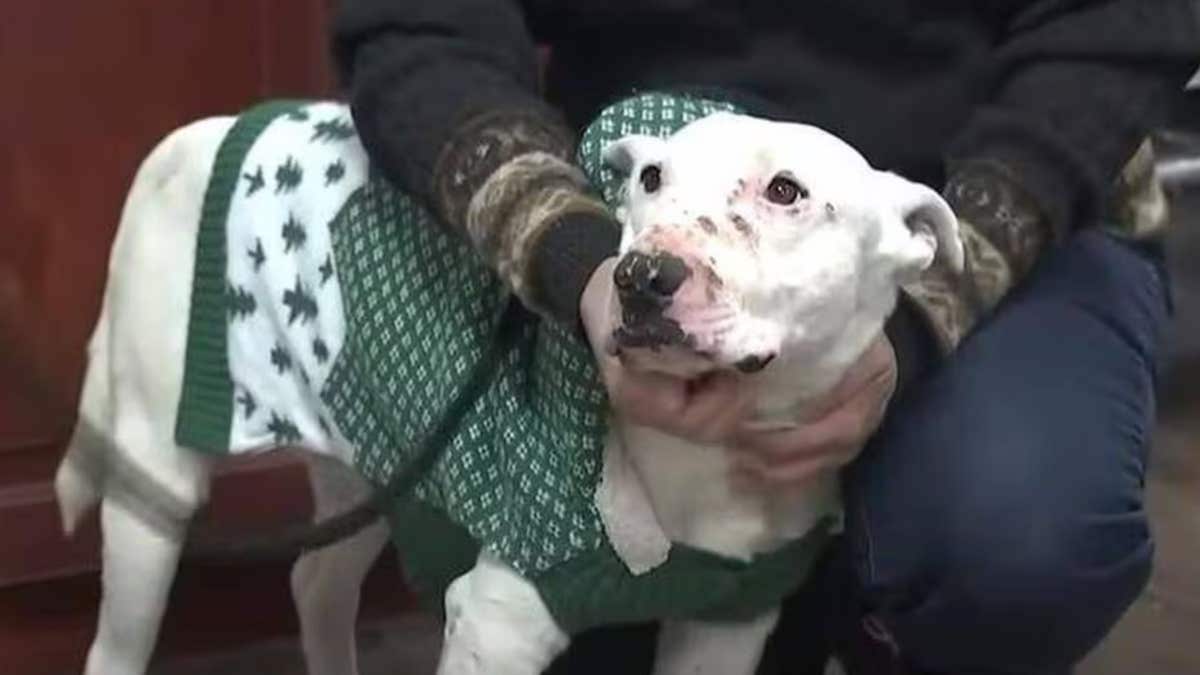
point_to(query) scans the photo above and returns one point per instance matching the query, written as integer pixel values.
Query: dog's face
(745, 239)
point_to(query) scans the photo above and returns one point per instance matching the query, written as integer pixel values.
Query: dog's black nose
(650, 277)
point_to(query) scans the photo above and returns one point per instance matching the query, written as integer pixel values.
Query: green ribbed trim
(206, 402)
(595, 588)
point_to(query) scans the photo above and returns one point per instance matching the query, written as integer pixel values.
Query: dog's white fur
(814, 288)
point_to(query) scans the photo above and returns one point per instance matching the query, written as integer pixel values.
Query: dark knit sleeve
(1073, 89)
(444, 95)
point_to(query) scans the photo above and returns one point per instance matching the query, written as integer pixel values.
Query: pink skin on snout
(705, 305)
(702, 306)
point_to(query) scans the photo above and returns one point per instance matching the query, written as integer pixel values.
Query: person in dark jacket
(995, 516)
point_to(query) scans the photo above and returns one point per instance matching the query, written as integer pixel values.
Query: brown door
(87, 87)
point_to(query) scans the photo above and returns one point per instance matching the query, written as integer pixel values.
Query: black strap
(296, 539)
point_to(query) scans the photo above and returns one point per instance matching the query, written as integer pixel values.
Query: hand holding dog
(836, 432)
(717, 409)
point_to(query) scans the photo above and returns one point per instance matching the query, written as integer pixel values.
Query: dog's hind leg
(497, 624)
(151, 488)
(143, 519)
(139, 567)
(150, 485)
(326, 582)
(78, 481)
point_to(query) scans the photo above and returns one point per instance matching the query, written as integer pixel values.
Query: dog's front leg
(713, 648)
(497, 624)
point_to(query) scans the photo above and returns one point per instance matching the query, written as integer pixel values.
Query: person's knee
(1022, 589)
(1123, 283)
(997, 518)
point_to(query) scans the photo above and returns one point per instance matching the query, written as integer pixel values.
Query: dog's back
(142, 316)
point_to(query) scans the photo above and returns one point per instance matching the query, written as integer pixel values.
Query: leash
(297, 539)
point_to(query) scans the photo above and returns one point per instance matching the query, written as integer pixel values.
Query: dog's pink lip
(690, 361)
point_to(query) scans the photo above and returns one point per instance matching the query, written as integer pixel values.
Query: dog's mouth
(650, 338)
(652, 332)
(680, 317)
(660, 343)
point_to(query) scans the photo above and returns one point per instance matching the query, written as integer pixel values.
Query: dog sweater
(330, 310)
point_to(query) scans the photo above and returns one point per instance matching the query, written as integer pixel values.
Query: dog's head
(745, 239)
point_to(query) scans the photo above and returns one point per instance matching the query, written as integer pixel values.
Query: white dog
(767, 248)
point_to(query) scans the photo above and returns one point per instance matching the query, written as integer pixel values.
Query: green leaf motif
(248, 403)
(335, 129)
(334, 173)
(283, 429)
(257, 255)
(293, 234)
(326, 269)
(288, 175)
(320, 350)
(298, 115)
(256, 181)
(280, 358)
(300, 303)
(241, 302)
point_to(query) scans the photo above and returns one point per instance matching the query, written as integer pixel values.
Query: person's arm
(1073, 89)
(444, 96)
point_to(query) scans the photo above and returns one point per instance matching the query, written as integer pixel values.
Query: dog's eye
(783, 190)
(651, 178)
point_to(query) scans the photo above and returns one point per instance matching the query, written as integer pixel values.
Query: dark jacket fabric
(1058, 93)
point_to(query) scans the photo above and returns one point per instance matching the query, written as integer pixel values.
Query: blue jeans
(996, 522)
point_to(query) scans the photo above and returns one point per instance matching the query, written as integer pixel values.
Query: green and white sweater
(330, 310)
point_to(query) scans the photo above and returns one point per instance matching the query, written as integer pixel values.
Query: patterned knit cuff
(1004, 233)
(945, 314)
(986, 194)
(565, 258)
(486, 142)
(1139, 206)
(1040, 174)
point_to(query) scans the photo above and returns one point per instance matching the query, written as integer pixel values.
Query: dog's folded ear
(918, 227)
(628, 152)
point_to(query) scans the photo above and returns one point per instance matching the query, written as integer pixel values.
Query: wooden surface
(90, 86)
(250, 497)
(45, 628)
